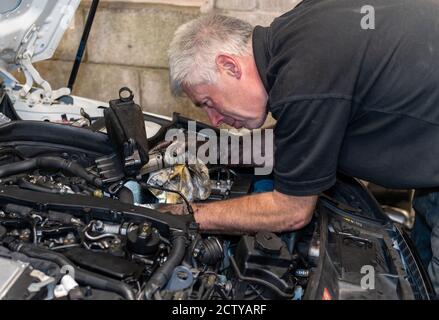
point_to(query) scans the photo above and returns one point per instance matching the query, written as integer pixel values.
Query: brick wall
(260, 12)
(128, 43)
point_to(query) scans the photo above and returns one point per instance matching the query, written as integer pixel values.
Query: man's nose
(215, 117)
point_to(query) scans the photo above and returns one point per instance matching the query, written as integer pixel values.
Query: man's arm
(270, 211)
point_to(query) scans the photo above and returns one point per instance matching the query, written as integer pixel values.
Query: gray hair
(196, 44)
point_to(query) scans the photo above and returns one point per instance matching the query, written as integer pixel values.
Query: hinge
(44, 94)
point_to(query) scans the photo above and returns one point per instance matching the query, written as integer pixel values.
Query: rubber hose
(30, 186)
(161, 277)
(17, 167)
(14, 152)
(50, 163)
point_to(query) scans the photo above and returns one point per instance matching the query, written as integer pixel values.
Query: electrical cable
(186, 201)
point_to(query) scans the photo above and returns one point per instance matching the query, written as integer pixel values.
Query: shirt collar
(261, 53)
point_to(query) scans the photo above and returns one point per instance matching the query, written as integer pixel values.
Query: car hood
(33, 28)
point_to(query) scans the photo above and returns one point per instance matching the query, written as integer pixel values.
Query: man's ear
(229, 65)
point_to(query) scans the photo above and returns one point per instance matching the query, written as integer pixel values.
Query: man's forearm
(270, 211)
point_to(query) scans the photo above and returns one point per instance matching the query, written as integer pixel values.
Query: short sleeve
(308, 138)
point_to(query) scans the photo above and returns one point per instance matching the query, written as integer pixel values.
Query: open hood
(32, 29)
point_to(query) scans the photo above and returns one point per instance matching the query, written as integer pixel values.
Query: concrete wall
(128, 43)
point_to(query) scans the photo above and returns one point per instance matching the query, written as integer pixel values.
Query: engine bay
(80, 220)
(74, 225)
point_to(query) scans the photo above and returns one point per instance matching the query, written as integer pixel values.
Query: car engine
(78, 220)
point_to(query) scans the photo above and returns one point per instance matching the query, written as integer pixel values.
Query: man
(349, 95)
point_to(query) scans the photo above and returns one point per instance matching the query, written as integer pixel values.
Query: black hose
(104, 283)
(81, 276)
(12, 179)
(49, 163)
(161, 276)
(10, 151)
(17, 167)
(22, 183)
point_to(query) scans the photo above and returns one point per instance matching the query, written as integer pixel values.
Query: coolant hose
(49, 163)
(81, 276)
(161, 277)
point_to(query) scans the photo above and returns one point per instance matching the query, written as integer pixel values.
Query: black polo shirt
(364, 102)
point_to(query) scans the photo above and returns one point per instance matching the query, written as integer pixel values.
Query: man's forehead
(196, 89)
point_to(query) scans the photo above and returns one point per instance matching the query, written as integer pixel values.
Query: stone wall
(128, 43)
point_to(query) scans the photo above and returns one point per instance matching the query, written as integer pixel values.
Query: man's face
(237, 99)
